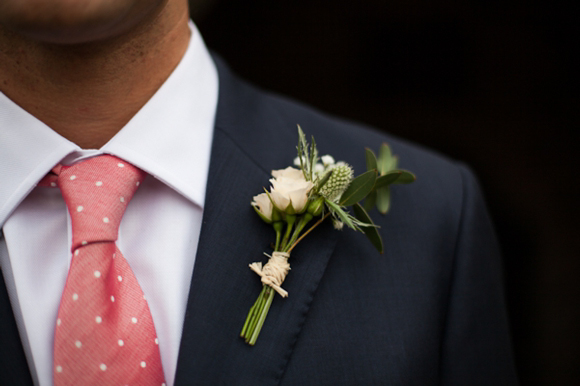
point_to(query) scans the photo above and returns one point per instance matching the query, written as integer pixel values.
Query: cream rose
(263, 206)
(290, 187)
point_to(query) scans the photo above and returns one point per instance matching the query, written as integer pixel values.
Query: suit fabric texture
(428, 311)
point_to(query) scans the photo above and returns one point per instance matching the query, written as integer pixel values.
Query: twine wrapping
(274, 272)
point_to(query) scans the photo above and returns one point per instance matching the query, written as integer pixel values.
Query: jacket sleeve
(476, 348)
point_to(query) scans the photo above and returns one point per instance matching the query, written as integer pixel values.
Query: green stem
(263, 314)
(257, 313)
(252, 315)
(317, 223)
(299, 227)
(278, 226)
(247, 322)
(290, 220)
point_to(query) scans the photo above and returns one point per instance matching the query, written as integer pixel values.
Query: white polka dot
(122, 199)
(112, 298)
(138, 183)
(144, 297)
(120, 278)
(84, 242)
(97, 274)
(73, 177)
(163, 384)
(106, 220)
(75, 296)
(120, 343)
(103, 366)
(114, 255)
(120, 165)
(77, 252)
(80, 208)
(98, 319)
(59, 369)
(156, 341)
(58, 322)
(53, 184)
(143, 364)
(133, 320)
(78, 344)
(99, 183)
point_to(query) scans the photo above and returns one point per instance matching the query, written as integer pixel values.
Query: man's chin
(74, 21)
(68, 35)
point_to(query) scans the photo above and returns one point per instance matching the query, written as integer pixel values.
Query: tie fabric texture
(104, 333)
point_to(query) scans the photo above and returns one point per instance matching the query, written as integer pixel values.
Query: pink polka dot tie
(104, 333)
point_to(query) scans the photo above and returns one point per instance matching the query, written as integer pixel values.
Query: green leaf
(359, 188)
(371, 159)
(394, 163)
(313, 157)
(385, 160)
(406, 177)
(320, 183)
(371, 231)
(388, 178)
(383, 199)
(371, 200)
(303, 153)
(264, 218)
(338, 211)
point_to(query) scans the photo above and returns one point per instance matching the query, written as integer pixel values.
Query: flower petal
(280, 200)
(263, 204)
(289, 172)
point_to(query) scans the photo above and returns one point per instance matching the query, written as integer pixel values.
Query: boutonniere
(302, 198)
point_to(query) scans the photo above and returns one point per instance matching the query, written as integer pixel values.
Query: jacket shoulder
(267, 123)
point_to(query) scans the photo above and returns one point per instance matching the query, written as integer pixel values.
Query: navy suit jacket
(428, 311)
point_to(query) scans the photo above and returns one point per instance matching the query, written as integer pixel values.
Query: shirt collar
(169, 138)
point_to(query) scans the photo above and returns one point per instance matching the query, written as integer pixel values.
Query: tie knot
(96, 192)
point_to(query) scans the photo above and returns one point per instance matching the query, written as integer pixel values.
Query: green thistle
(337, 183)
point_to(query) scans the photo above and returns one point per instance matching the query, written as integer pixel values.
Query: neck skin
(88, 92)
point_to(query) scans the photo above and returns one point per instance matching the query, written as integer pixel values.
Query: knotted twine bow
(274, 272)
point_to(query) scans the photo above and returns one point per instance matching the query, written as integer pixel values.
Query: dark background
(492, 83)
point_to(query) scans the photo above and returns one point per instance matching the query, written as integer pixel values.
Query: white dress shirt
(169, 138)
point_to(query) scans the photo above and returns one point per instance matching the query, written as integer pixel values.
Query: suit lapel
(13, 365)
(246, 146)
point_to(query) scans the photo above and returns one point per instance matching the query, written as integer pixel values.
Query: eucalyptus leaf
(406, 177)
(371, 200)
(394, 163)
(371, 231)
(385, 159)
(371, 159)
(359, 188)
(383, 199)
(387, 179)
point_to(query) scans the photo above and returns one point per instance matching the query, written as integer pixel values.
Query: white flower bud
(337, 224)
(318, 168)
(327, 160)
